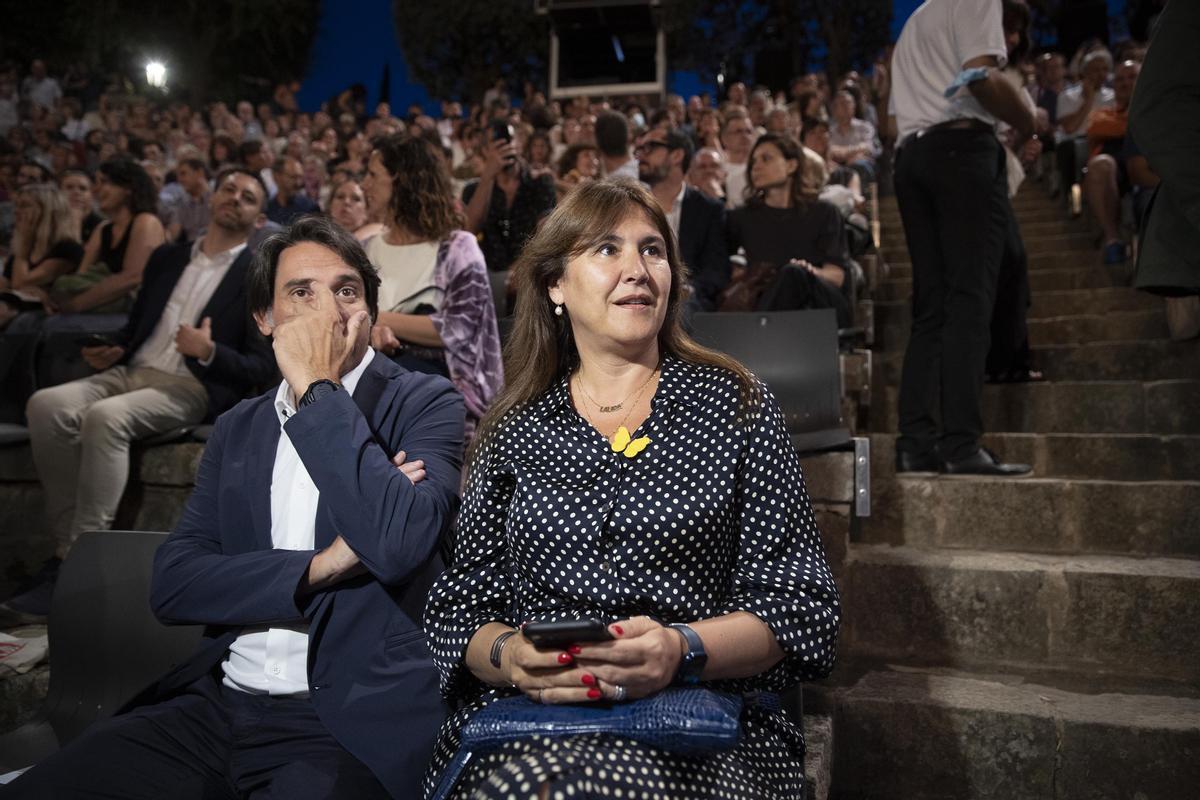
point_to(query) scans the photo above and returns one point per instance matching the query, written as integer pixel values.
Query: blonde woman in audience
(348, 208)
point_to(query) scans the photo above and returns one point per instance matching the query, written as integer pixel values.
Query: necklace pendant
(610, 409)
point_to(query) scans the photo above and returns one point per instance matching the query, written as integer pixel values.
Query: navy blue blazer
(371, 673)
(702, 246)
(243, 360)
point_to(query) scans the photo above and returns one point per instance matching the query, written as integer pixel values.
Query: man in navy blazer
(188, 352)
(307, 549)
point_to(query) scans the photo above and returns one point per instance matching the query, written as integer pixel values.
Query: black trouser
(796, 288)
(953, 193)
(210, 742)
(1009, 352)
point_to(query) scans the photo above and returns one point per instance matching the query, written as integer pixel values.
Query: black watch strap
(316, 390)
(694, 660)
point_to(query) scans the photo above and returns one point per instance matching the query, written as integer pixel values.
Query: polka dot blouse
(711, 518)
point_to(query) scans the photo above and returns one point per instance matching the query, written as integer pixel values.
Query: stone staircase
(1033, 638)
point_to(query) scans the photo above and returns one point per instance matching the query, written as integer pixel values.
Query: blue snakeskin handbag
(691, 721)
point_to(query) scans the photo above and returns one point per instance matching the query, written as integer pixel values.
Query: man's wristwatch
(317, 390)
(693, 661)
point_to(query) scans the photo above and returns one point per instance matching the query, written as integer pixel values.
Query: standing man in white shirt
(188, 352)
(952, 189)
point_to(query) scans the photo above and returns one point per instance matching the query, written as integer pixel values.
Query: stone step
(1042, 261)
(923, 735)
(1071, 245)
(1156, 407)
(818, 756)
(1074, 329)
(977, 610)
(1047, 305)
(1160, 359)
(896, 287)
(1098, 456)
(1036, 515)
(1031, 223)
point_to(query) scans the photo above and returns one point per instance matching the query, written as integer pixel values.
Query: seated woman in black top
(784, 227)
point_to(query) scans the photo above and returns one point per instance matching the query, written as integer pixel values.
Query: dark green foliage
(213, 48)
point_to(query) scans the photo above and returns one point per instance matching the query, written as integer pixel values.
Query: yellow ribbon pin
(621, 443)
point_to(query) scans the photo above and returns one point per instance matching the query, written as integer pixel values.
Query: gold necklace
(609, 409)
(636, 395)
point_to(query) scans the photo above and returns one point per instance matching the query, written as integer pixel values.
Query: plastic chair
(796, 354)
(105, 645)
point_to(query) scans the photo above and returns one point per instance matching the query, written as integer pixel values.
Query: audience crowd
(764, 190)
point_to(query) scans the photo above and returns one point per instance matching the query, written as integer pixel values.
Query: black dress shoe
(910, 462)
(984, 462)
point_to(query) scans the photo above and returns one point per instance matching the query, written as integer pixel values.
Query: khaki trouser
(81, 432)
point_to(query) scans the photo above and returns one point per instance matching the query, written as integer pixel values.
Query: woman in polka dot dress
(627, 474)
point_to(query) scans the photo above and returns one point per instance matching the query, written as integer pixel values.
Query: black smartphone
(565, 632)
(501, 131)
(94, 340)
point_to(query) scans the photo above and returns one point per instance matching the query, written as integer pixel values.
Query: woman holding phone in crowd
(629, 475)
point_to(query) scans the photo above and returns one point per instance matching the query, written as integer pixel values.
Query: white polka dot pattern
(711, 518)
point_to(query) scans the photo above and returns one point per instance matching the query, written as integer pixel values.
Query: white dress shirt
(675, 212)
(193, 290)
(265, 660)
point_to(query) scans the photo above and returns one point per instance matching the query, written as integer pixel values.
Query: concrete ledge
(1158, 407)
(920, 735)
(818, 758)
(984, 610)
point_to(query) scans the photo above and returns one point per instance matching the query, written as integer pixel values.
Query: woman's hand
(547, 675)
(384, 340)
(643, 656)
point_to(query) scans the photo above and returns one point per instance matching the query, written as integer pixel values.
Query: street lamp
(156, 74)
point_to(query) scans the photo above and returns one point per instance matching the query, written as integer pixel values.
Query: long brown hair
(805, 183)
(541, 349)
(422, 200)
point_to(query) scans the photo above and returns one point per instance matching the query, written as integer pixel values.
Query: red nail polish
(589, 680)
(619, 630)
(565, 658)
(593, 694)
(575, 649)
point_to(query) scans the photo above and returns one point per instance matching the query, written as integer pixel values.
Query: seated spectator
(348, 208)
(814, 135)
(708, 129)
(707, 173)
(187, 201)
(737, 138)
(40, 88)
(795, 243)
(289, 201)
(255, 156)
(44, 244)
(116, 253)
(436, 309)
(188, 352)
(1075, 106)
(612, 140)
(852, 142)
(579, 163)
(1106, 180)
(537, 152)
(608, 553)
(698, 221)
(505, 204)
(222, 152)
(32, 171)
(309, 581)
(76, 186)
(1051, 83)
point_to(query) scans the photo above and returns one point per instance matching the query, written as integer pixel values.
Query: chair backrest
(105, 645)
(796, 354)
(499, 292)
